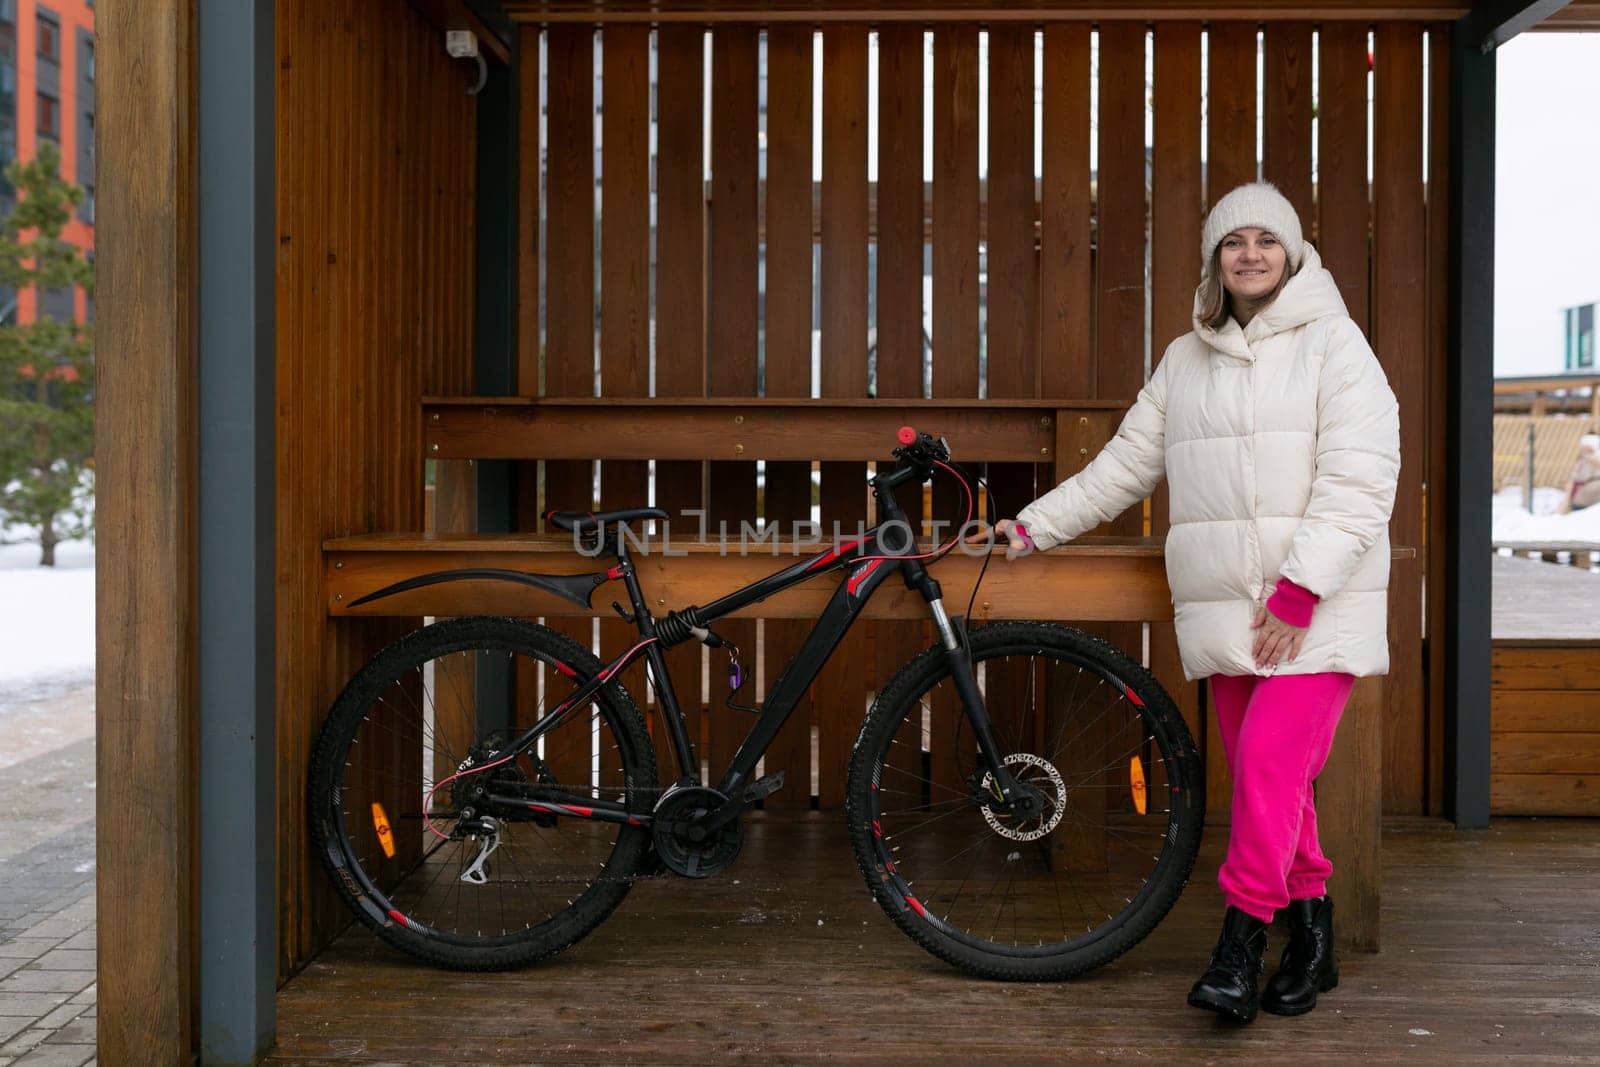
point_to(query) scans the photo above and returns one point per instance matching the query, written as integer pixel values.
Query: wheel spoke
(401, 754)
(1074, 873)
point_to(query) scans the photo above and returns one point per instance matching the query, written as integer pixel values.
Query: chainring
(673, 826)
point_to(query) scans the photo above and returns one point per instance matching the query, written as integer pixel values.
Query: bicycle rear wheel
(394, 782)
(1067, 890)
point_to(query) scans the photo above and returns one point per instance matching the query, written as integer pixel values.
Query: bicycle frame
(868, 563)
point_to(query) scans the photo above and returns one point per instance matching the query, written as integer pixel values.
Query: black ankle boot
(1229, 985)
(1308, 965)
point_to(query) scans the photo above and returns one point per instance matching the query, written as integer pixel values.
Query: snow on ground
(1512, 522)
(46, 622)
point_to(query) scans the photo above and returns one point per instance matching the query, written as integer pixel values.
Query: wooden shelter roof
(1578, 16)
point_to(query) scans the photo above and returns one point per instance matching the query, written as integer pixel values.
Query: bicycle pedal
(764, 786)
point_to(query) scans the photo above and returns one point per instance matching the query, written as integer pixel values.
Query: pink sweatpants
(1276, 733)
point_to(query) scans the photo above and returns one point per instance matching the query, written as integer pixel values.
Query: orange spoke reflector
(380, 822)
(1135, 780)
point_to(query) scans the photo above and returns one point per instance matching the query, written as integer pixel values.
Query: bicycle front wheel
(397, 788)
(1069, 888)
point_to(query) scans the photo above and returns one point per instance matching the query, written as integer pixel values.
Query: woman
(1280, 436)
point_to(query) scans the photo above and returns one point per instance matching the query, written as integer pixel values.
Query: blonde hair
(1214, 300)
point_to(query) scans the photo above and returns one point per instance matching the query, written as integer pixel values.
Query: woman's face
(1253, 263)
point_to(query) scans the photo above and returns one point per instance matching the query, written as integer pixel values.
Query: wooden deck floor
(1491, 951)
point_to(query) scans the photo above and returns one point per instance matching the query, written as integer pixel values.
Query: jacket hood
(1310, 295)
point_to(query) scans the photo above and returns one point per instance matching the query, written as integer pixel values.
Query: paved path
(47, 881)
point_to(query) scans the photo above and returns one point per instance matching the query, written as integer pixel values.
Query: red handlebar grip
(907, 435)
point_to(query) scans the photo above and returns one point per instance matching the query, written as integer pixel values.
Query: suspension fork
(957, 650)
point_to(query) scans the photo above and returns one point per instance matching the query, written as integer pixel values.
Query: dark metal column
(1470, 417)
(238, 912)
(494, 348)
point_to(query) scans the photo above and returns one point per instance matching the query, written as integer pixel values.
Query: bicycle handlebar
(918, 454)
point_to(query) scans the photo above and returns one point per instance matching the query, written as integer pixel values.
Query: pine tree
(46, 366)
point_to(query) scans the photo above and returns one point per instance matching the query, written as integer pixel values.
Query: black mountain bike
(1024, 800)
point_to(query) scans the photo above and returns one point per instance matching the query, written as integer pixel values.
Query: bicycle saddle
(586, 521)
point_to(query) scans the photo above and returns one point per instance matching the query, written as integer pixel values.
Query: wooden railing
(1064, 433)
(1583, 554)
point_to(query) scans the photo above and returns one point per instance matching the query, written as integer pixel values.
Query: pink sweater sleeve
(1293, 603)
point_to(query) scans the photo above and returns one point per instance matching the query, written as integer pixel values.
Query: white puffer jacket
(1282, 443)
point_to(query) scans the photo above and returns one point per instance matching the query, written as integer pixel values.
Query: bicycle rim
(1087, 877)
(418, 736)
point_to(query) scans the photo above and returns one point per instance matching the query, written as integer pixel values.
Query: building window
(86, 209)
(8, 11)
(1580, 337)
(49, 117)
(49, 38)
(88, 60)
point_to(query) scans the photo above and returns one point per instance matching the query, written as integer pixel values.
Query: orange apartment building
(47, 93)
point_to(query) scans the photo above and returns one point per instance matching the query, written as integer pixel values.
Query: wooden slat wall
(569, 358)
(1065, 266)
(955, 237)
(1555, 446)
(841, 690)
(1231, 107)
(732, 294)
(790, 263)
(1231, 160)
(1344, 206)
(1399, 336)
(375, 149)
(681, 299)
(1176, 206)
(1545, 727)
(955, 262)
(1286, 153)
(955, 215)
(900, 227)
(530, 83)
(1437, 534)
(1065, 317)
(625, 289)
(1119, 302)
(1012, 322)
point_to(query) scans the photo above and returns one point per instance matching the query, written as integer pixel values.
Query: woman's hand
(1276, 640)
(1016, 543)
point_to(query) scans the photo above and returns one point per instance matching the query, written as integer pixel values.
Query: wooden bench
(1581, 554)
(1090, 580)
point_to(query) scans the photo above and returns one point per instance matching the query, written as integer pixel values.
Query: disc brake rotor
(1037, 773)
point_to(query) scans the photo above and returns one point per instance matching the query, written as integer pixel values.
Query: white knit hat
(1257, 204)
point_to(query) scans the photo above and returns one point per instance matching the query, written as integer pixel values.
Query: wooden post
(145, 587)
(1527, 499)
(1350, 816)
